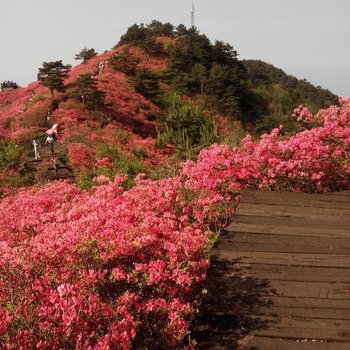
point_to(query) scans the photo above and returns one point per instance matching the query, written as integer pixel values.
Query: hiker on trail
(50, 140)
(101, 65)
(53, 131)
(36, 145)
(54, 163)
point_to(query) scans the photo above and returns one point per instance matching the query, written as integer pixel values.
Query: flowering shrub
(79, 273)
(110, 151)
(315, 159)
(80, 156)
(108, 268)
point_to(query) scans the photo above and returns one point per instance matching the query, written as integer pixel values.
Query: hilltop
(161, 94)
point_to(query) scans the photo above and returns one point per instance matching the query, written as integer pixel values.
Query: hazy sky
(306, 38)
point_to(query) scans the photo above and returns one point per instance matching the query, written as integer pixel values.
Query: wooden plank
(305, 328)
(306, 204)
(267, 343)
(278, 243)
(262, 247)
(278, 292)
(298, 199)
(233, 237)
(297, 273)
(285, 230)
(325, 297)
(314, 295)
(315, 213)
(312, 289)
(305, 312)
(289, 259)
(340, 193)
(319, 219)
(288, 221)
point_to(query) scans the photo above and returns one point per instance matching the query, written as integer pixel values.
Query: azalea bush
(108, 151)
(107, 268)
(104, 268)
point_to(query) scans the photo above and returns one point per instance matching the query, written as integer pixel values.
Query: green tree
(198, 77)
(191, 48)
(85, 54)
(13, 171)
(181, 30)
(10, 155)
(147, 84)
(224, 53)
(187, 128)
(222, 91)
(87, 92)
(134, 35)
(158, 28)
(52, 74)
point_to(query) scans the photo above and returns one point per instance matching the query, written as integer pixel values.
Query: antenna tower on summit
(192, 15)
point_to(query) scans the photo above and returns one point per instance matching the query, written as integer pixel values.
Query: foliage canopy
(85, 54)
(52, 74)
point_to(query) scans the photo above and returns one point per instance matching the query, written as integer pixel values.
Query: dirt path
(280, 276)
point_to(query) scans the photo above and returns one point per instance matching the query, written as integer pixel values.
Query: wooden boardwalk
(280, 276)
(43, 167)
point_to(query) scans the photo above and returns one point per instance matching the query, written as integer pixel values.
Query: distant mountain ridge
(281, 93)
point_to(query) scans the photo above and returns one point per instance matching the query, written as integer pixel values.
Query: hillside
(280, 93)
(109, 268)
(161, 94)
(120, 133)
(151, 134)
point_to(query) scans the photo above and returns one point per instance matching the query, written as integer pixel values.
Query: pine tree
(134, 35)
(147, 84)
(86, 91)
(198, 77)
(222, 90)
(52, 74)
(85, 54)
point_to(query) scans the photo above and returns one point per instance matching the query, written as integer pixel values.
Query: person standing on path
(54, 163)
(50, 140)
(36, 145)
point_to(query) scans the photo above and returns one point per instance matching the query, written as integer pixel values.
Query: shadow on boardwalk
(225, 317)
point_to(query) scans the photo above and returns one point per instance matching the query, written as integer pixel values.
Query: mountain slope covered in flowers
(161, 90)
(108, 268)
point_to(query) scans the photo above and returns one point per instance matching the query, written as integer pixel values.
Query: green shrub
(187, 128)
(10, 155)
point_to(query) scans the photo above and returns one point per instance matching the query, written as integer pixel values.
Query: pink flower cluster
(313, 160)
(102, 269)
(115, 269)
(80, 155)
(303, 115)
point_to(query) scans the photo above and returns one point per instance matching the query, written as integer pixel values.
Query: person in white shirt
(36, 145)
